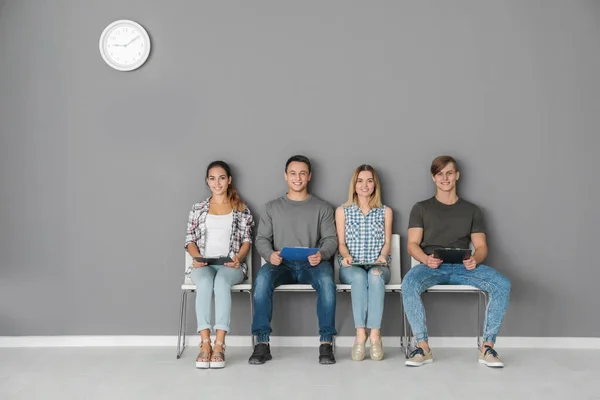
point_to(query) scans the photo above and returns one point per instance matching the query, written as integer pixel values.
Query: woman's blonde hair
(234, 198)
(375, 200)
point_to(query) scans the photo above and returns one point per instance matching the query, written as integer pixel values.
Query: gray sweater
(307, 223)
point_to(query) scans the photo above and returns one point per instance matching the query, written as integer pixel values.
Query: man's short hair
(298, 158)
(439, 163)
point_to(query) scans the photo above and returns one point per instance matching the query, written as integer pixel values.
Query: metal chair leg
(182, 310)
(479, 319)
(184, 321)
(251, 316)
(402, 336)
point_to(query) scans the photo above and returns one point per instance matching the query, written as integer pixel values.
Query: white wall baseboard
(289, 341)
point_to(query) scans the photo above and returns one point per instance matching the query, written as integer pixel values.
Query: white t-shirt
(218, 233)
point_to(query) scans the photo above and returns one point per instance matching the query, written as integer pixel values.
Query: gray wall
(98, 168)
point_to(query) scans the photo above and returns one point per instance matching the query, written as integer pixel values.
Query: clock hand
(132, 40)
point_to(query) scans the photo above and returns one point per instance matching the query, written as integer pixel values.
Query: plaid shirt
(364, 234)
(241, 231)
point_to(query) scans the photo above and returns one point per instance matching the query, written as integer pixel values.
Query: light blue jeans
(220, 279)
(421, 277)
(367, 292)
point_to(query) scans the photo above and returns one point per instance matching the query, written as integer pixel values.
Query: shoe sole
(416, 363)
(202, 364)
(256, 362)
(492, 364)
(326, 362)
(217, 365)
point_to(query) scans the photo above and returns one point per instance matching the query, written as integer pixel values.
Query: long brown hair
(375, 199)
(234, 198)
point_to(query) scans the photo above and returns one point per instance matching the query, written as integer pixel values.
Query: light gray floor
(294, 373)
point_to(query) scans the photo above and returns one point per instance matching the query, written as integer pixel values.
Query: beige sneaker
(419, 357)
(490, 358)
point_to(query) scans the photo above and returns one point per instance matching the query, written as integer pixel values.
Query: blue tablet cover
(297, 253)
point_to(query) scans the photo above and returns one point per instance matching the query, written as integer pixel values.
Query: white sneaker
(490, 358)
(419, 357)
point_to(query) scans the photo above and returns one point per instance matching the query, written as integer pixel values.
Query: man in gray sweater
(296, 219)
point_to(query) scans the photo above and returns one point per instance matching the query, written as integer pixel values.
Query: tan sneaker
(419, 357)
(490, 358)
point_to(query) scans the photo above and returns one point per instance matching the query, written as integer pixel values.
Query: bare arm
(387, 246)
(239, 257)
(480, 244)
(340, 226)
(193, 250)
(415, 235)
(244, 249)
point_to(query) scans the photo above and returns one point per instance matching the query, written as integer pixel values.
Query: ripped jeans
(367, 292)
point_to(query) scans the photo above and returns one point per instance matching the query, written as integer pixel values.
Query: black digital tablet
(214, 260)
(452, 255)
(359, 264)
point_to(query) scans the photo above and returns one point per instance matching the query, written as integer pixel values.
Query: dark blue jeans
(320, 277)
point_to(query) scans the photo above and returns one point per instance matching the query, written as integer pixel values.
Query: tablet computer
(366, 264)
(450, 255)
(214, 260)
(297, 253)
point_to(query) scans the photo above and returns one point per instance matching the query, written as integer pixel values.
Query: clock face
(124, 45)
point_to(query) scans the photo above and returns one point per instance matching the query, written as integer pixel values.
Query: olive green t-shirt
(446, 225)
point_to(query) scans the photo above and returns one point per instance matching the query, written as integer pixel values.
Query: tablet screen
(452, 255)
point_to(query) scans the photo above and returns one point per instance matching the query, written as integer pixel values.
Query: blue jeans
(219, 278)
(320, 277)
(421, 277)
(368, 292)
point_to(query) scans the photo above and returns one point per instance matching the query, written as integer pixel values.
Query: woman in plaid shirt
(364, 228)
(218, 226)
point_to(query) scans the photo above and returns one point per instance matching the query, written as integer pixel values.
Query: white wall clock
(125, 45)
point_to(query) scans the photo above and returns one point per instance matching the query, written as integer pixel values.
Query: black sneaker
(262, 353)
(326, 354)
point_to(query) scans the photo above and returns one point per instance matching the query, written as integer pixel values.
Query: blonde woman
(218, 226)
(364, 228)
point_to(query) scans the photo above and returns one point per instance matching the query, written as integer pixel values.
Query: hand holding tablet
(214, 260)
(297, 253)
(368, 264)
(450, 255)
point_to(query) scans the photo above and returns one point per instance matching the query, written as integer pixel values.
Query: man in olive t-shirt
(446, 220)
